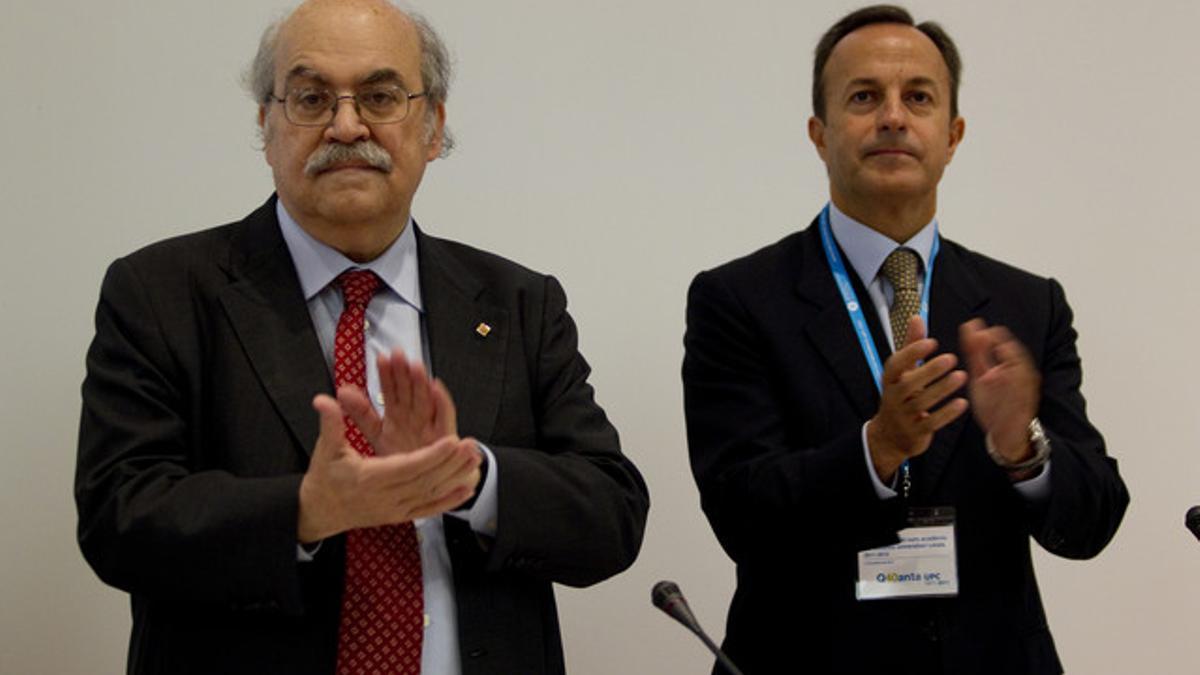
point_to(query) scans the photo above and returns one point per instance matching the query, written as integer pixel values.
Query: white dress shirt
(394, 319)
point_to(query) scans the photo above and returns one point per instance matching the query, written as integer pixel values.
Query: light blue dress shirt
(394, 320)
(866, 249)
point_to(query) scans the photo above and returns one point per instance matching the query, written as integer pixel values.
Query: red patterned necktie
(383, 606)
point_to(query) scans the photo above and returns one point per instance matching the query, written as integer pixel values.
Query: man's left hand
(417, 410)
(1004, 387)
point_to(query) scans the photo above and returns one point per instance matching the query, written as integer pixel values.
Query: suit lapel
(266, 308)
(830, 330)
(468, 336)
(956, 295)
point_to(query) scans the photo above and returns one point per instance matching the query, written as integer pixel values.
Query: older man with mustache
(319, 440)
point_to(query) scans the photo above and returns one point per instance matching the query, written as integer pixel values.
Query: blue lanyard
(861, 329)
(850, 298)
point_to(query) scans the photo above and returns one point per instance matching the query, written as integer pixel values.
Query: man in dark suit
(244, 516)
(825, 424)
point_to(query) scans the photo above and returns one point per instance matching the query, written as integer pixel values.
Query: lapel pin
(483, 329)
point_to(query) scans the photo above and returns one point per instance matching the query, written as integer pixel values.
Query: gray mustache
(331, 154)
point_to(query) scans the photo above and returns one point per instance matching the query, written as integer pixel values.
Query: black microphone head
(662, 593)
(1192, 520)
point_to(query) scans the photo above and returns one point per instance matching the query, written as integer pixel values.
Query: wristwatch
(1041, 450)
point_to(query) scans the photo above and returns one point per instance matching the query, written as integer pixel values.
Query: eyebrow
(374, 77)
(306, 73)
(919, 81)
(383, 75)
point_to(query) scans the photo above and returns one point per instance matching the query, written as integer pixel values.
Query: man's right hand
(906, 421)
(343, 490)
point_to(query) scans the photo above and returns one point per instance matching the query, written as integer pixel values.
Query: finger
(331, 439)
(916, 330)
(934, 394)
(448, 503)
(917, 379)
(461, 468)
(401, 383)
(357, 407)
(460, 475)
(387, 383)
(445, 415)
(402, 471)
(1009, 349)
(945, 414)
(907, 358)
(422, 400)
(976, 347)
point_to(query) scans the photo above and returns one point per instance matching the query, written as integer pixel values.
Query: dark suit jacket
(197, 426)
(776, 392)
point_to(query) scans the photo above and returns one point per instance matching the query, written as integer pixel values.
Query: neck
(898, 220)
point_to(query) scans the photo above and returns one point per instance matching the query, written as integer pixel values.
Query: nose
(893, 115)
(346, 125)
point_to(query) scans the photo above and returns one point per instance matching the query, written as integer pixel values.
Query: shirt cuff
(306, 552)
(482, 514)
(1036, 489)
(881, 490)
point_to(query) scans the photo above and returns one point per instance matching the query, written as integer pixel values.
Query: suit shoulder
(492, 269)
(765, 263)
(764, 274)
(184, 249)
(256, 235)
(992, 271)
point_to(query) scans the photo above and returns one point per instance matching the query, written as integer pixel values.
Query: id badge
(922, 565)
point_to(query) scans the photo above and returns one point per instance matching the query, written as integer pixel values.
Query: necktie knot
(358, 286)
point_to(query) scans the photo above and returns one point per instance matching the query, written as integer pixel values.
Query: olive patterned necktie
(900, 269)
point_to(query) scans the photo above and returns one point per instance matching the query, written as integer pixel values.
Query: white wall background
(624, 146)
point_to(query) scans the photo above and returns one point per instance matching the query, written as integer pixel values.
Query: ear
(957, 128)
(437, 133)
(816, 134)
(264, 128)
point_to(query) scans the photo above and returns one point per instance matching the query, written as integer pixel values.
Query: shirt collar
(866, 249)
(318, 264)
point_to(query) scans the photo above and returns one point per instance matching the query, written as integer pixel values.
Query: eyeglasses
(384, 104)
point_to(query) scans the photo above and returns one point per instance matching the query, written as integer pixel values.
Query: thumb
(332, 438)
(916, 330)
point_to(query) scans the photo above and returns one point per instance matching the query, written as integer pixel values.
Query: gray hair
(436, 71)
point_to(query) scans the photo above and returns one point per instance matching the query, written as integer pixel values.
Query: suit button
(930, 631)
(477, 653)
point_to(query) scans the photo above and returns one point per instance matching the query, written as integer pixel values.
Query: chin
(352, 206)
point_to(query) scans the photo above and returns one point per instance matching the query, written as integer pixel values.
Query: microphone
(1192, 520)
(666, 596)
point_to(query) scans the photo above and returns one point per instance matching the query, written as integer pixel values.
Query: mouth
(350, 166)
(890, 152)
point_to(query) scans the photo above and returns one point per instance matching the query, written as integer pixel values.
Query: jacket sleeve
(1087, 496)
(572, 508)
(152, 518)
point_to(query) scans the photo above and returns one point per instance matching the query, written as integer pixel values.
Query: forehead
(886, 52)
(348, 41)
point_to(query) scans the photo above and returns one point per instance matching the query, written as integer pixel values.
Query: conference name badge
(922, 565)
